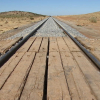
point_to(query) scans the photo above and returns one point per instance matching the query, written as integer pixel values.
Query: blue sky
(51, 7)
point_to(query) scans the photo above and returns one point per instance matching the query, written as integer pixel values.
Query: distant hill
(19, 14)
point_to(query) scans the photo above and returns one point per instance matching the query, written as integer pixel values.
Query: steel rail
(7, 55)
(93, 58)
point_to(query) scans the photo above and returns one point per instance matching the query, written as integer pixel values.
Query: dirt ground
(10, 26)
(12, 23)
(84, 24)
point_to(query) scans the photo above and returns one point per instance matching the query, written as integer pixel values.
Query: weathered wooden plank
(27, 45)
(33, 89)
(57, 87)
(6, 47)
(36, 45)
(68, 68)
(7, 63)
(14, 85)
(44, 45)
(72, 46)
(53, 45)
(9, 69)
(62, 45)
(91, 74)
(78, 86)
(4, 42)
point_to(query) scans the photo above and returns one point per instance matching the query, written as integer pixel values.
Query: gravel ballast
(73, 32)
(50, 29)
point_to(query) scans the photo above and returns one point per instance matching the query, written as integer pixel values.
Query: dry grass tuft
(93, 19)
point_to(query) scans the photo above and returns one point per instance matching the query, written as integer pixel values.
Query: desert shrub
(79, 25)
(93, 19)
(1, 19)
(6, 22)
(31, 18)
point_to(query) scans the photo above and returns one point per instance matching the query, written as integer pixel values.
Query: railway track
(11, 51)
(49, 66)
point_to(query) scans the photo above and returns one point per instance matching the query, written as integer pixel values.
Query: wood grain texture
(62, 45)
(7, 46)
(91, 74)
(44, 45)
(53, 45)
(72, 46)
(34, 86)
(57, 87)
(36, 45)
(14, 85)
(26, 46)
(78, 86)
(4, 76)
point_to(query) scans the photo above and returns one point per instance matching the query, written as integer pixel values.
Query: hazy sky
(51, 7)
